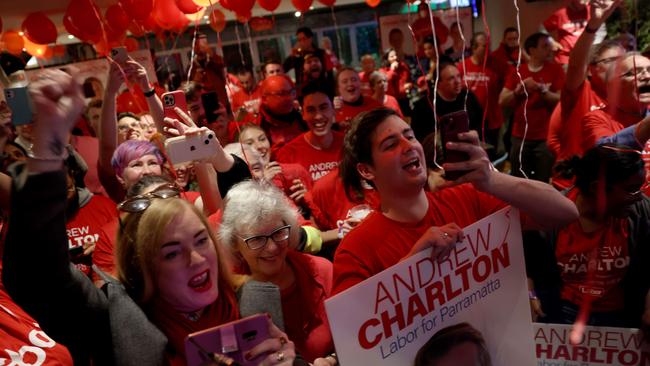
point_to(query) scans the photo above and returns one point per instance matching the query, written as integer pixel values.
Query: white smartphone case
(182, 149)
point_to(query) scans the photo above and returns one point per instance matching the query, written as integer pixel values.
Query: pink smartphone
(171, 100)
(233, 340)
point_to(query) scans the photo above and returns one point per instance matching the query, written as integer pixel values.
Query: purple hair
(131, 150)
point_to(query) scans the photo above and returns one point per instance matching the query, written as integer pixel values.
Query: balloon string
(462, 56)
(521, 82)
(435, 88)
(193, 53)
(241, 52)
(488, 36)
(336, 31)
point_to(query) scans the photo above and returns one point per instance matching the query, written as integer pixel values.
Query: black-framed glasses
(141, 202)
(279, 236)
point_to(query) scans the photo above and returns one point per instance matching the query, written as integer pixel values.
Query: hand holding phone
(172, 100)
(450, 126)
(186, 148)
(119, 55)
(232, 340)
(18, 99)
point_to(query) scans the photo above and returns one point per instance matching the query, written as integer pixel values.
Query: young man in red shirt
(565, 25)
(381, 148)
(585, 89)
(247, 98)
(538, 92)
(483, 83)
(319, 149)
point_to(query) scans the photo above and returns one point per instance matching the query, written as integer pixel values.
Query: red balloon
(136, 29)
(39, 29)
(81, 20)
(242, 7)
(188, 6)
(13, 41)
(104, 47)
(327, 2)
(269, 5)
(244, 17)
(166, 14)
(117, 19)
(217, 20)
(181, 25)
(373, 3)
(226, 4)
(133, 102)
(131, 44)
(137, 9)
(302, 5)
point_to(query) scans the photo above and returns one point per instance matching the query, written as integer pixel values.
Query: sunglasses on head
(141, 202)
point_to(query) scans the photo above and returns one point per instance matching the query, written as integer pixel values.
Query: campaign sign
(598, 346)
(386, 319)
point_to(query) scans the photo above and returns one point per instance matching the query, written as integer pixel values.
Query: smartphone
(171, 100)
(182, 149)
(210, 102)
(119, 55)
(450, 126)
(233, 340)
(18, 99)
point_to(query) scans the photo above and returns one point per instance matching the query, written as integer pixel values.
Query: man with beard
(314, 72)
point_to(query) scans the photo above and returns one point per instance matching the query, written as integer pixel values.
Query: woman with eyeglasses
(260, 230)
(174, 282)
(598, 263)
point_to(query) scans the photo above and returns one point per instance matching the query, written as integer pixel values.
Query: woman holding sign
(381, 148)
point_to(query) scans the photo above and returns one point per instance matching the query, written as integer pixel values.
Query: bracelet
(150, 93)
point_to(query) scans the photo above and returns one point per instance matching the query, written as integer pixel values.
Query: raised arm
(155, 104)
(36, 267)
(547, 207)
(107, 134)
(579, 57)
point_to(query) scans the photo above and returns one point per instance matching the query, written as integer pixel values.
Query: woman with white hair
(260, 229)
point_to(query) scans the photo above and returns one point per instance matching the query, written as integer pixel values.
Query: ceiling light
(297, 14)
(21, 34)
(70, 36)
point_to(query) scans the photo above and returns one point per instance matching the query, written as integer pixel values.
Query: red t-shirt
(250, 101)
(23, 342)
(568, 24)
(379, 242)
(593, 264)
(598, 124)
(391, 102)
(397, 79)
(483, 83)
(328, 202)
(538, 111)
(565, 126)
(83, 228)
(317, 162)
(303, 305)
(503, 62)
(348, 111)
(366, 91)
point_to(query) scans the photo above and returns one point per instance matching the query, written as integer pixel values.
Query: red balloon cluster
(39, 29)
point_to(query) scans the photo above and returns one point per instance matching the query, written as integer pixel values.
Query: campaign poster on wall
(401, 21)
(598, 346)
(479, 289)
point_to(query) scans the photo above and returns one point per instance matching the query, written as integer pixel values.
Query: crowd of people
(114, 255)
